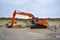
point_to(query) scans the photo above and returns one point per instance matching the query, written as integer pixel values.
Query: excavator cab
(34, 20)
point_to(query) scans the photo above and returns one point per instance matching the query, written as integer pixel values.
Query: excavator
(36, 22)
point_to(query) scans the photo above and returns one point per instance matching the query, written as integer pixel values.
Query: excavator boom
(20, 13)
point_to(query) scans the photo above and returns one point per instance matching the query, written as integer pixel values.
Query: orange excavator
(36, 23)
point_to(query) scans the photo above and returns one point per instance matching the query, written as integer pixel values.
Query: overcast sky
(39, 8)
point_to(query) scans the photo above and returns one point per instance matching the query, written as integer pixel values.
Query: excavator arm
(20, 13)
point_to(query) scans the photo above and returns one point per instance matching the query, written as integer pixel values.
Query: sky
(39, 8)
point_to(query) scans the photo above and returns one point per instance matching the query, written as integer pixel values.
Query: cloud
(15, 1)
(39, 8)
